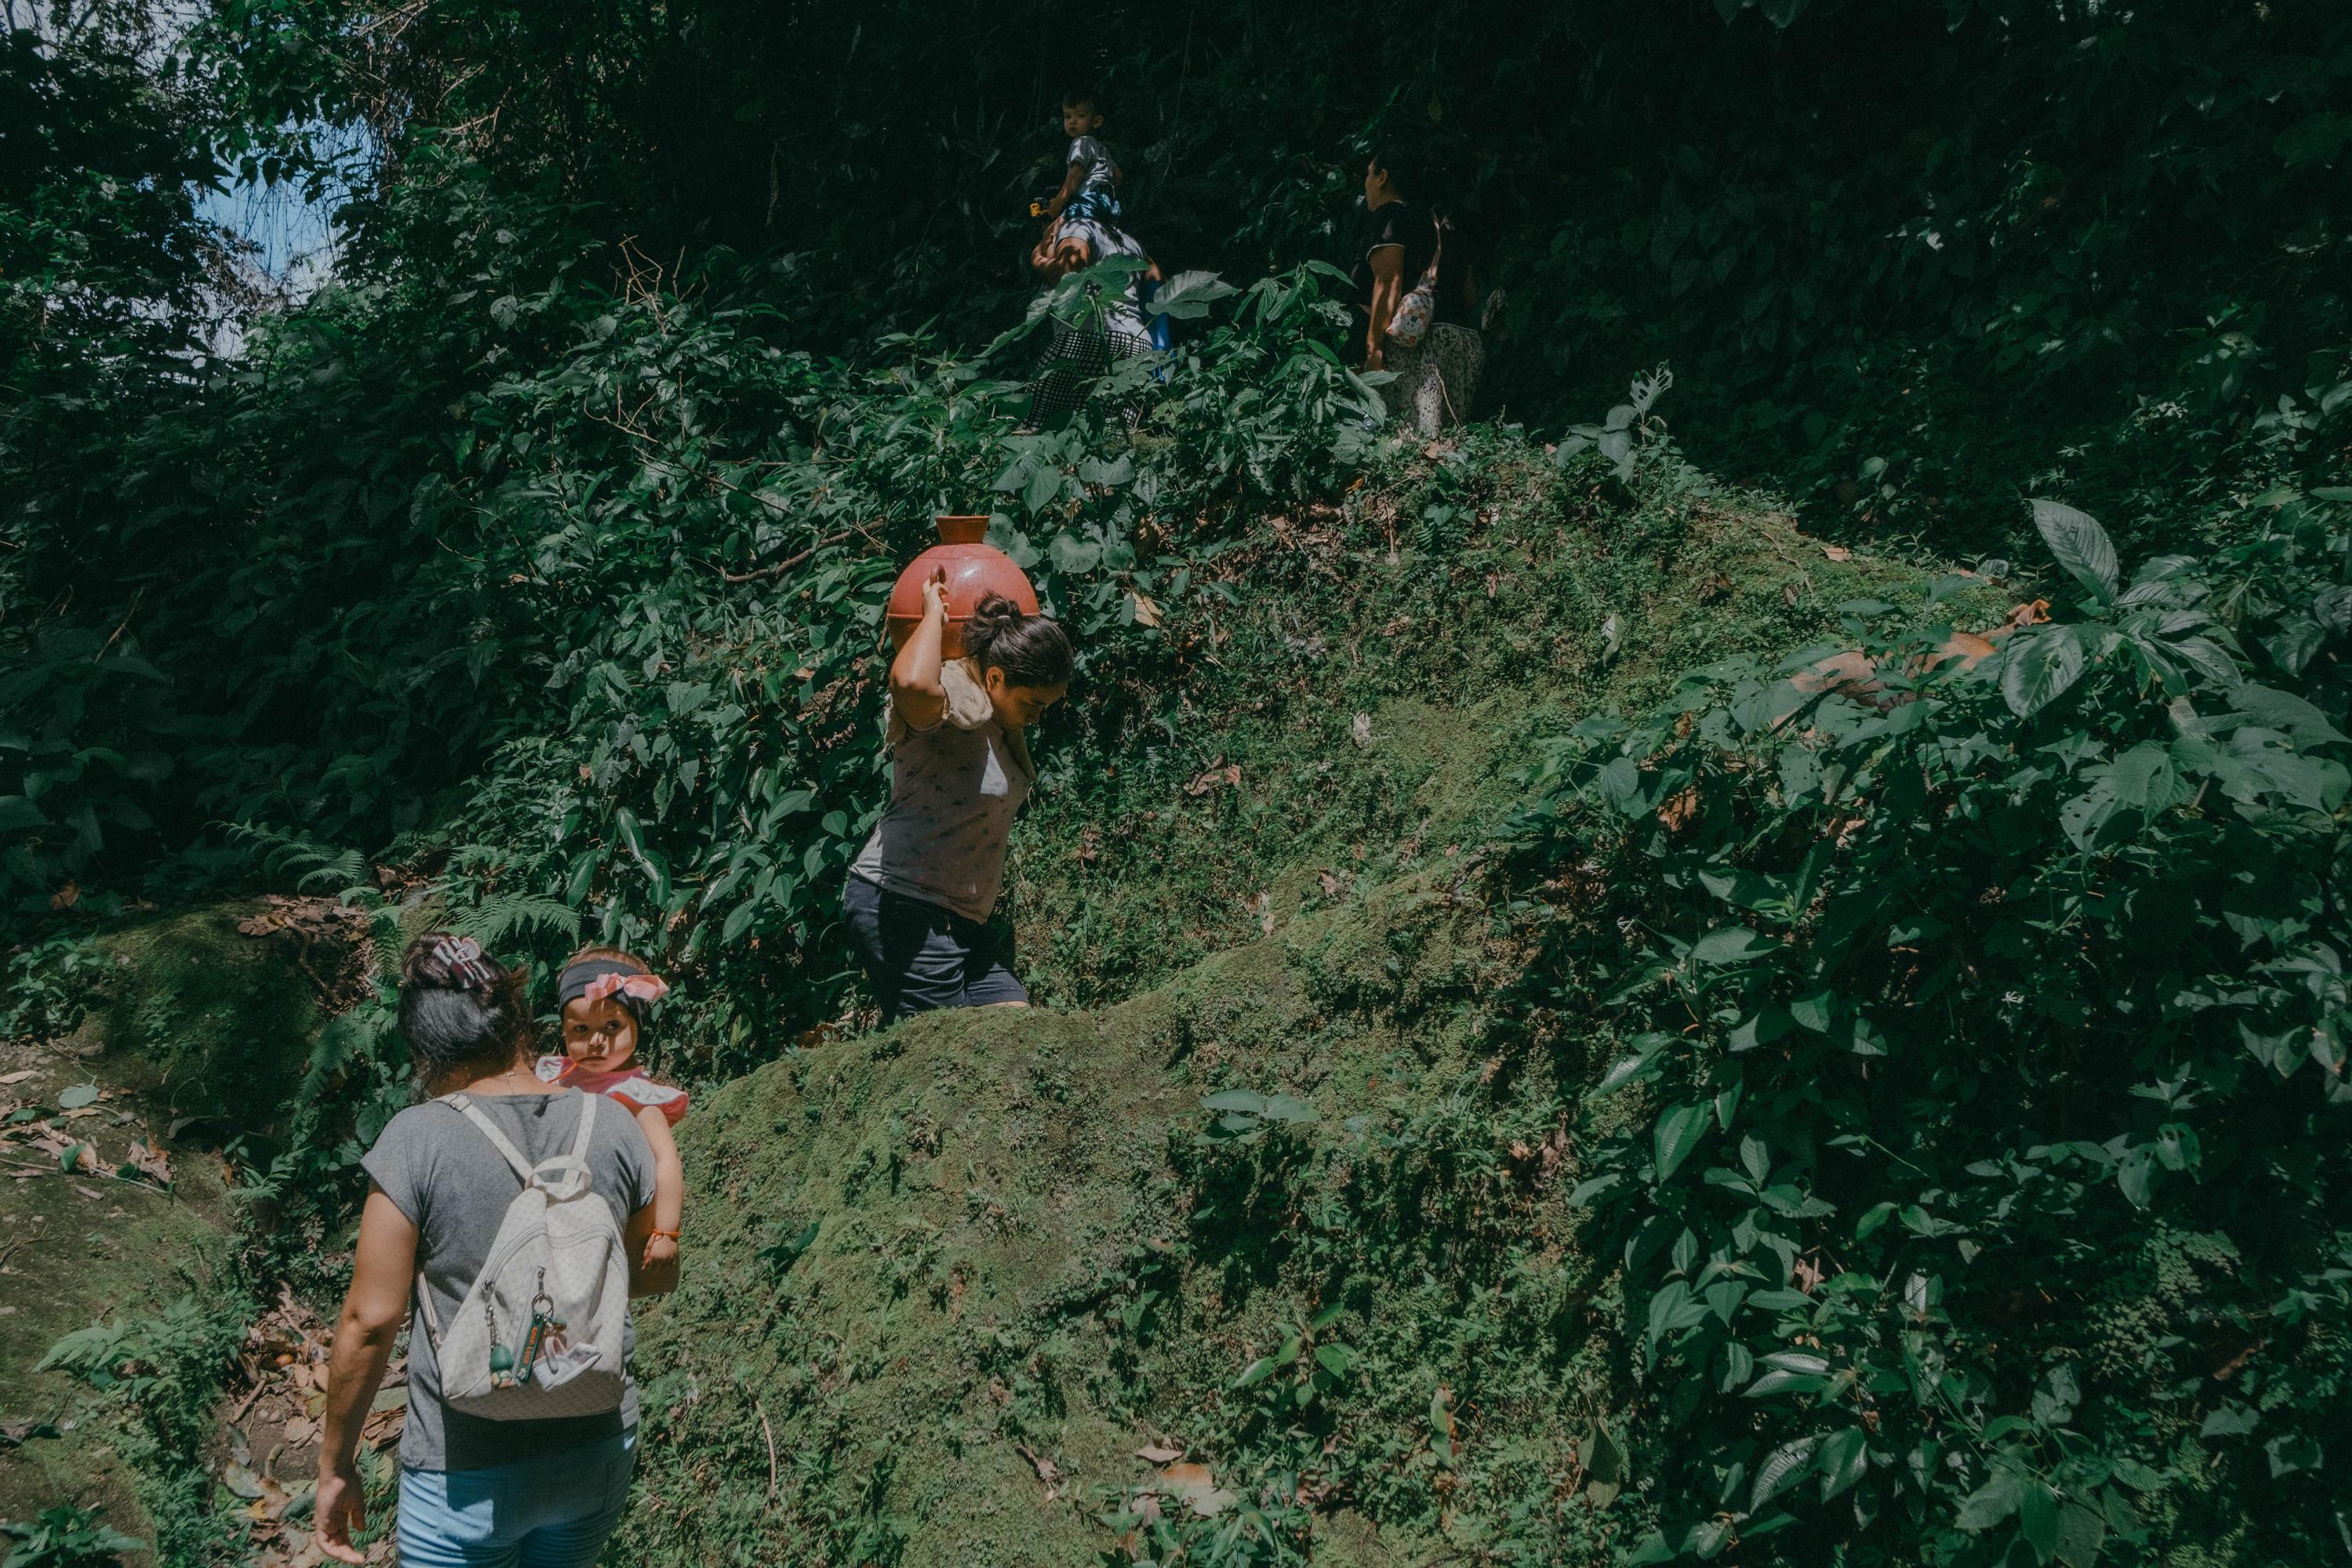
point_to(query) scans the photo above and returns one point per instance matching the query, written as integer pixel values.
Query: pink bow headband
(594, 979)
(643, 987)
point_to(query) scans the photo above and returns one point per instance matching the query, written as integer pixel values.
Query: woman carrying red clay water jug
(921, 896)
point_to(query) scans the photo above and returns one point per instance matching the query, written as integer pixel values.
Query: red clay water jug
(974, 570)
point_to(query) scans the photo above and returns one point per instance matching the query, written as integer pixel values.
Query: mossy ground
(193, 1031)
(1377, 681)
(1036, 1252)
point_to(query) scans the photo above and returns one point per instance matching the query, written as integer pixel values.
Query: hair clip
(462, 957)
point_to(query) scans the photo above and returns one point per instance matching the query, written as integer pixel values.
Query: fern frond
(314, 865)
(493, 919)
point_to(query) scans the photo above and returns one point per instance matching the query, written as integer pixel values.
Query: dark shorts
(920, 956)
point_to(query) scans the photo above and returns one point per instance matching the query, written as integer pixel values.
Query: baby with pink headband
(607, 996)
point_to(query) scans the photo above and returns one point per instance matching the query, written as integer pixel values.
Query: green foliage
(163, 1377)
(66, 1537)
(1968, 1079)
(2083, 246)
(49, 984)
(1940, 1015)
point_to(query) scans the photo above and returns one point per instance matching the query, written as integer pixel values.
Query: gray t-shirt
(455, 1187)
(1123, 313)
(953, 792)
(1101, 176)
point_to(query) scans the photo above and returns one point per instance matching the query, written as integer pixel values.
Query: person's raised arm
(1073, 178)
(381, 1275)
(1387, 289)
(915, 686)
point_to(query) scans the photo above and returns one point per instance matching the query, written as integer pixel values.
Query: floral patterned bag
(1414, 312)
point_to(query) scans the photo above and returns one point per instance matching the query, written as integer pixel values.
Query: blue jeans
(554, 1511)
(920, 956)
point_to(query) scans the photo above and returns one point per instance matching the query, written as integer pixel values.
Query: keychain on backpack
(544, 1323)
(502, 1360)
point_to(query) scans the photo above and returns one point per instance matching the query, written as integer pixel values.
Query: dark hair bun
(459, 1009)
(996, 613)
(1031, 650)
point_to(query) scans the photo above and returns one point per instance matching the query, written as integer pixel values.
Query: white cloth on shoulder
(968, 707)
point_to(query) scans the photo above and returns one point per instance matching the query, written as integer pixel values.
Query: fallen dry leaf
(20, 1074)
(1197, 1487)
(1837, 553)
(1221, 774)
(1159, 1453)
(72, 1153)
(1678, 808)
(1362, 730)
(149, 1162)
(87, 1191)
(271, 1506)
(1330, 884)
(1146, 612)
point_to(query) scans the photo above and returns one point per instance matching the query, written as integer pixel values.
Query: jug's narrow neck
(954, 529)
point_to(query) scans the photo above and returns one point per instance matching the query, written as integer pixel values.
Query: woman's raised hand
(935, 594)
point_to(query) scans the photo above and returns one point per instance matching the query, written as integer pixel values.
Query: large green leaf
(1678, 1134)
(1784, 1468)
(2040, 667)
(1844, 1458)
(1732, 944)
(1188, 295)
(2081, 545)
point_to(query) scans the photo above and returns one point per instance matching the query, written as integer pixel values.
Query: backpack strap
(587, 1123)
(464, 1105)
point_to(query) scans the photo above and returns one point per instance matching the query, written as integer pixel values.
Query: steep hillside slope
(193, 1033)
(968, 1287)
(1379, 670)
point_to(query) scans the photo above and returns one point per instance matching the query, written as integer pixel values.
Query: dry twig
(769, 1432)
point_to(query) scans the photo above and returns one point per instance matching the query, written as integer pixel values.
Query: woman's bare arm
(915, 685)
(374, 1309)
(1388, 288)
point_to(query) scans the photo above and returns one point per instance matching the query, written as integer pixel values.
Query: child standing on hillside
(1090, 176)
(607, 996)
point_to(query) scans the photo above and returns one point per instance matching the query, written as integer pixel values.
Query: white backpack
(540, 1331)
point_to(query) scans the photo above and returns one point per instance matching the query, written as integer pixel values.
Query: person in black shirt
(1436, 377)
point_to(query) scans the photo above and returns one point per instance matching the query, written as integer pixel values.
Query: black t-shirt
(1407, 224)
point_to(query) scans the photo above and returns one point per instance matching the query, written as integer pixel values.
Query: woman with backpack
(1420, 301)
(517, 1218)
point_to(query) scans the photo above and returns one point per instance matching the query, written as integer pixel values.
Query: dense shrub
(1987, 1037)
